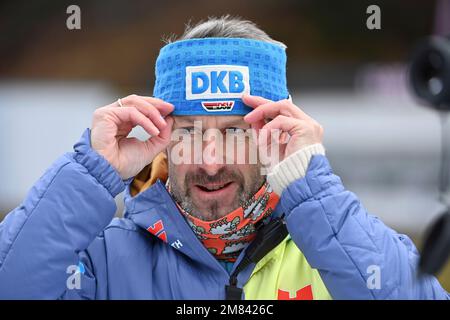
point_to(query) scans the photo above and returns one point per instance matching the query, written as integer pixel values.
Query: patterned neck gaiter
(226, 237)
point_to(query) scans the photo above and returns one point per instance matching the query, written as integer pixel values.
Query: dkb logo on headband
(216, 82)
(209, 75)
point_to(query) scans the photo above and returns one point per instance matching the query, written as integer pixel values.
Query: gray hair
(224, 27)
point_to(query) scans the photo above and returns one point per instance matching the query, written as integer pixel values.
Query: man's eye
(189, 130)
(234, 130)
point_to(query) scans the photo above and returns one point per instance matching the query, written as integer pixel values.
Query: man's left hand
(298, 129)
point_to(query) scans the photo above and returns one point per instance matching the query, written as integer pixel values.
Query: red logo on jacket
(158, 230)
(304, 293)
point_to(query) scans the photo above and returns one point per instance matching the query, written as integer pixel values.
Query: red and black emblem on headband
(213, 106)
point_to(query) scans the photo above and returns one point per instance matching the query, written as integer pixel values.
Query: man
(203, 225)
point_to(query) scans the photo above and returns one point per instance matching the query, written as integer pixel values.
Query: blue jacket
(67, 220)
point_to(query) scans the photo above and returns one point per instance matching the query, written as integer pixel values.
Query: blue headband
(208, 76)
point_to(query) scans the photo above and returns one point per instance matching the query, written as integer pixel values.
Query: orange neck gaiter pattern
(227, 236)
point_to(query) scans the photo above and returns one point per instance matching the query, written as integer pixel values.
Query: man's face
(217, 175)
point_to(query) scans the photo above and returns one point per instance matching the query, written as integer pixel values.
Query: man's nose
(211, 169)
(213, 157)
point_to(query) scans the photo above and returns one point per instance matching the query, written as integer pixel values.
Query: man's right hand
(112, 124)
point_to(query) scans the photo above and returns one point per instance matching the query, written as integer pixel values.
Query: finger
(164, 107)
(158, 143)
(272, 109)
(284, 123)
(278, 130)
(284, 137)
(257, 125)
(135, 117)
(254, 101)
(147, 109)
(166, 132)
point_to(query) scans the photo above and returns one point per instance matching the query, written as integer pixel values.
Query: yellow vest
(284, 274)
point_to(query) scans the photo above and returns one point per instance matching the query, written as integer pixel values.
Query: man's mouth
(204, 195)
(213, 186)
